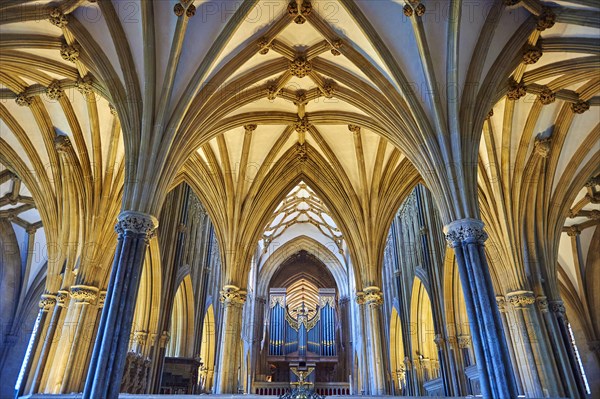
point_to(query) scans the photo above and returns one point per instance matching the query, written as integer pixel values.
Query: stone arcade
(392, 197)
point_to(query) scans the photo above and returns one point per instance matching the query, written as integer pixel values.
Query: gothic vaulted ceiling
(359, 99)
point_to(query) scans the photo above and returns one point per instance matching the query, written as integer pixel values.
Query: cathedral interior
(372, 197)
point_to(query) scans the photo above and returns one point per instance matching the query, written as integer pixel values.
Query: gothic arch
(271, 264)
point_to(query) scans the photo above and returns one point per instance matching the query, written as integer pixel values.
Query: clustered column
(135, 230)
(233, 299)
(466, 237)
(372, 298)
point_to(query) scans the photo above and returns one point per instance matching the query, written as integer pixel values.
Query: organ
(304, 335)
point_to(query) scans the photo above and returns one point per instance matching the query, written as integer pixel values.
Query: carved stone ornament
(300, 97)
(112, 109)
(438, 340)
(360, 298)
(232, 295)
(292, 8)
(137, 223)
(62, 143)
(101, 299)
(23, 101)
(178, 9)
(301, 125)
(557, 307)
(57, 18)
(542, 303)
(408, 11)
(373, 296)
(54, 91)
(328, 90)
(547, 96)
(70, 52)
(140, 337)
(510, 3)
(532, 55)
(516, 90)
(354, 129)
(490, 114)
(521, 299)
(464, 341)
(465, 231)
(573, 231)
(420, 10)
(300, 67)
(47, 301)
(84, 85)
(264, 45)
(306, 8)
(249, 128)
(191, 11)
(62, 298)
(336, 46)
(501, 304)
(541, 146)
(83, 293)
(580, 107)
(301, 152)
(164, 339)
(546, 19)
(272, 92)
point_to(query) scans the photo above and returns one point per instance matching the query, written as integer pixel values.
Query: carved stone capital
(140, 337)
(541, 146)
(70, 52)
(501, 304)
(516, 90)
(593, 182)
(164, 339)
(573, 231)
(101, 299)
(465, 231)
(47, 301)
(57, 18)
(547, 96)
(23, 101)
(54, 91)
(83, 293)
(438, 340)
(232, 295)
(531, 55)
(300, 66)
(62, 143)
(580, 106)
(464, 341)
(520, 299)
(360, 298)
(542, 303)
(373, 296)
(137, 223)
(546, 19)
(62, 298)
(557, 307)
